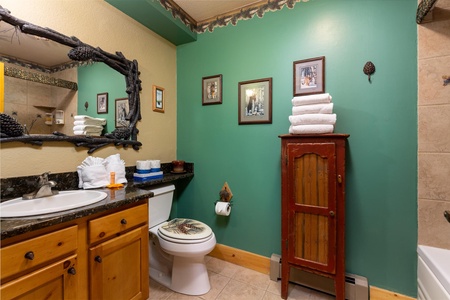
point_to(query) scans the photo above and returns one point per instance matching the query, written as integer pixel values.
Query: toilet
(177, 248)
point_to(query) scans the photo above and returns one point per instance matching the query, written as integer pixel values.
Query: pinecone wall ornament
(369, 69)
(9, 127)
(122, 133)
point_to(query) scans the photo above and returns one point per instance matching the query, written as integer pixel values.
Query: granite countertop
(116, 198)
(133, 192)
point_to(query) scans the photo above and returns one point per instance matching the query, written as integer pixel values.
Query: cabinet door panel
(312, 205)
(118, 267)
(51, 282)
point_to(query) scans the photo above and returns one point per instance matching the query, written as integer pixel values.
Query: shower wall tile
(434, 229)
(434, 39)
(433, 176)
(431, 88)
(434, 125)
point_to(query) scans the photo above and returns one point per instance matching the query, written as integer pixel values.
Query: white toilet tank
(160, 204)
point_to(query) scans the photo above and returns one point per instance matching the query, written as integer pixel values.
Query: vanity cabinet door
(56, 281)
(118, 268)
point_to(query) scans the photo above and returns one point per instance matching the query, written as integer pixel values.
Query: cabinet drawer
(110, 225)
(39, 250)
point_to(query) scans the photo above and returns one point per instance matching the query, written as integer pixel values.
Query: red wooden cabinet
(313, 207)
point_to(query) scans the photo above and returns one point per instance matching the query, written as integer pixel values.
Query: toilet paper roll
(143, 165)
(155, 164)
(223, 208)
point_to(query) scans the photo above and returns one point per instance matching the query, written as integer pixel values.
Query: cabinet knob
(98, 259)
(339, 178)
(332, 213)
(29, 255)
(123, 221)
(72, 271)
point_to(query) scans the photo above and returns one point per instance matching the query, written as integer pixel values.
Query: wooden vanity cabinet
(65, 263)
(43, 267)
(313, 207)
(118, 257)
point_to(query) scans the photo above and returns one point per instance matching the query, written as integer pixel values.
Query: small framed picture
(309, 76)
(212, 90)
(122, 110)
(255, 101)
(158, 99)
(102, 103)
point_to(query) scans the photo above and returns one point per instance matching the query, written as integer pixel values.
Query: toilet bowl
(178, 247)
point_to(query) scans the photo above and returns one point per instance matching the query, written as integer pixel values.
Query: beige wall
(97, 23)
(434, 128)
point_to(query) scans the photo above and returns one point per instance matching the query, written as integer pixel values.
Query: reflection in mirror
(43, 82)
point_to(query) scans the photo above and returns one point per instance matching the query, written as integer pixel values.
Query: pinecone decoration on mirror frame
(369, 69)
(122, 133)
(9, 127)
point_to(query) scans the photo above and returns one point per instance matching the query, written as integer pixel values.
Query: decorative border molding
(233, 17)
(40, 78)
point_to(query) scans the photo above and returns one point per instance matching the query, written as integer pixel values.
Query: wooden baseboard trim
(262, 264)
(380, 294)
(242, 258)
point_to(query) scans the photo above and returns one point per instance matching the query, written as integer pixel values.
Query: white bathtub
(433, 273)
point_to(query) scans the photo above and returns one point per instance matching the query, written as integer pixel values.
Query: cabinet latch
(339, 178)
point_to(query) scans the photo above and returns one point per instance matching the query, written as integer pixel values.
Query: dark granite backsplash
(17, 186)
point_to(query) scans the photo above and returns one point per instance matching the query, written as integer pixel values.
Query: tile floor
(233, 282)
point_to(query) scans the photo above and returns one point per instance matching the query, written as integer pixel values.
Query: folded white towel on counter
(113, 163)
(312, 119)
(311, 129)
(323, 108)
(311, 99)
(87, 120)
(92, 177)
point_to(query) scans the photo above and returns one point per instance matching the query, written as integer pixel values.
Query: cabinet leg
(284, 279)
(339, 286)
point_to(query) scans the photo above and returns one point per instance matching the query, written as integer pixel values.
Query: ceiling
(202, 10)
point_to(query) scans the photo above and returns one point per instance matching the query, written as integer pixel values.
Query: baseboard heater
(356, 287)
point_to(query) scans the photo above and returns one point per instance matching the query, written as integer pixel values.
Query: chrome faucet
(44, 188)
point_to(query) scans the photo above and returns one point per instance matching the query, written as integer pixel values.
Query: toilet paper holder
(225, 194)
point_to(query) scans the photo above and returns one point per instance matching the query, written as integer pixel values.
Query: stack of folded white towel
(85, 125)
(312, 114)
(94, 172)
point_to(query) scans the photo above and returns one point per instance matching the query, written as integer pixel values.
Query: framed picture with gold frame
(158, 99)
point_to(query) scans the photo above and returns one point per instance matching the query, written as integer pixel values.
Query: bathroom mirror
(74, 52)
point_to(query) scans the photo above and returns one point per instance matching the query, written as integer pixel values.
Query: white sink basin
(65, 200)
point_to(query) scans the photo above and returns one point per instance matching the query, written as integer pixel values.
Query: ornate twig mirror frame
(83, 52)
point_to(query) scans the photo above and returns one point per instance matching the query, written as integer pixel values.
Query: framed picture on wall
(212, 90)
(122, 110)
(309, 76)
(102, 103)
(158, 99)
(255, 101)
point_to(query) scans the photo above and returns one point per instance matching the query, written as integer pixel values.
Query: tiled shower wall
(434, 128)
(27, 99)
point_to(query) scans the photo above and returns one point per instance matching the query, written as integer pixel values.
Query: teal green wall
(381, 118)
(96, 79)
